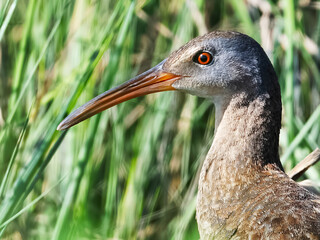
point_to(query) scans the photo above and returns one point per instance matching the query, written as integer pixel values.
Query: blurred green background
(132, 171)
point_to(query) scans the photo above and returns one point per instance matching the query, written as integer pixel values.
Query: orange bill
(151, 81)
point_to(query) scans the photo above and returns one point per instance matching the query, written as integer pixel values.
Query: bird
(243, 191)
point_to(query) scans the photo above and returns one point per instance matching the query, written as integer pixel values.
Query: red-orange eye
(203, 58)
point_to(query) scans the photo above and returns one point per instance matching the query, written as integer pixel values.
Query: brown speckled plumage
(243, 191)
(241, 195)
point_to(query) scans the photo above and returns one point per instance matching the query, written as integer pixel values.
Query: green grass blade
(36, 65)
(25, 183)
(7, 19)
(13, 157)
(289, 13)
(29, 205)
(18, 73)
(301, 135)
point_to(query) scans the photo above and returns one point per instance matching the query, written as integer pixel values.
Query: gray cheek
(199, 87)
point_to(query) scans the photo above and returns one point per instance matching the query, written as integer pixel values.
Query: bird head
(220, 63)
(214, 65)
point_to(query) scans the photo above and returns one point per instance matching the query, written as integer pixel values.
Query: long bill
(151, 81)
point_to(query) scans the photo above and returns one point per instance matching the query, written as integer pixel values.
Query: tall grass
(130, 172)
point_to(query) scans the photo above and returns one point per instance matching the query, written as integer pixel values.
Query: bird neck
(244, 147)
(247, 131)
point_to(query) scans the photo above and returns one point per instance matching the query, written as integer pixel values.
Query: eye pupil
(203, 58)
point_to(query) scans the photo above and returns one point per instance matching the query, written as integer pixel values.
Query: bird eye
(203, 58)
